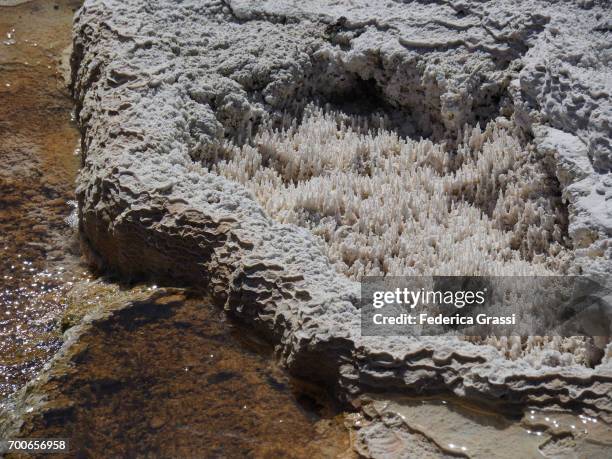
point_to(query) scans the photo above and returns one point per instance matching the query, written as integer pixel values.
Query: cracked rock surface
(161, 86)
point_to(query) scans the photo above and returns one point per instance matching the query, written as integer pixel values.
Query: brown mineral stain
(171, 378)
(37, 172)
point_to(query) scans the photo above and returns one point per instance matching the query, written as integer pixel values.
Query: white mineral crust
(160, 87)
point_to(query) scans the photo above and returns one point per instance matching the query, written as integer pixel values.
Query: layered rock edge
(159, 87)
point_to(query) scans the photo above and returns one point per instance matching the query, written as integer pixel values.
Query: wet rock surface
(159, 88)
(38, 260)
(166, 376)
(435, 427)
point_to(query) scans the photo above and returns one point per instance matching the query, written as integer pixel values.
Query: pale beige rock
(162, 88)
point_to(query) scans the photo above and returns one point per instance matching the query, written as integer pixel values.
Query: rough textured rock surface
(159, 86)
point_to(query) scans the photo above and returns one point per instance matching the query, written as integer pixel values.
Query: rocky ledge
(162, 88)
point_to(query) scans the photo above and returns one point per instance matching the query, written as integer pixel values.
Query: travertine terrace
(162, 91)
(168, 96)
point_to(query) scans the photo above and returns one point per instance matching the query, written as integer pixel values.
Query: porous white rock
(161, 87)
(589, 196)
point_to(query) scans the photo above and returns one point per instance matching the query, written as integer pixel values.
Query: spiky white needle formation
(388, 205)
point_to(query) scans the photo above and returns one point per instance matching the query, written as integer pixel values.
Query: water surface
(37, 172)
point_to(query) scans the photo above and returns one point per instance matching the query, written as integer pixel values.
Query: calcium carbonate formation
(206, 160)
(456, 137)
(386, 205)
